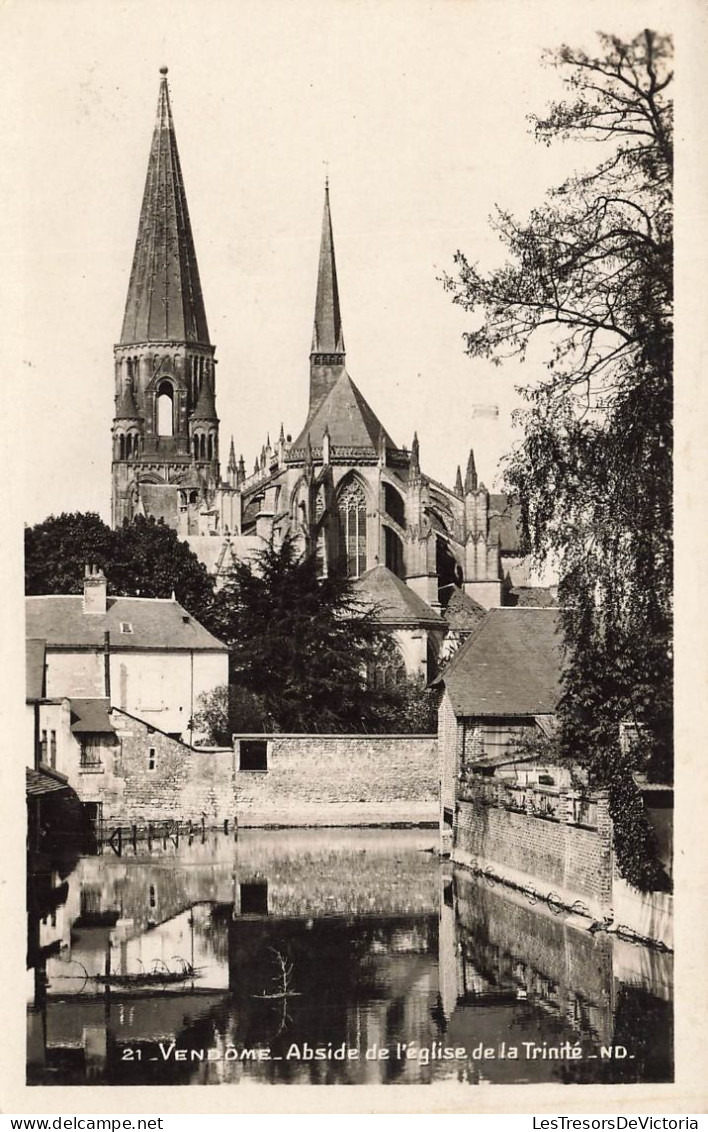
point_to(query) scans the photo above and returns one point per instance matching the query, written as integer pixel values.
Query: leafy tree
(301, 644)
(589, 282)
(143, 558)
(228, 710)
(57, 550)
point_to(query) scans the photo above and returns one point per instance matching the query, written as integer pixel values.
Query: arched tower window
(210, 447)
(195, 445)
(352, 524)
(165, 409)
(121, 447)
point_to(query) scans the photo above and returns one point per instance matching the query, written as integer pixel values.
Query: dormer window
(126, 627)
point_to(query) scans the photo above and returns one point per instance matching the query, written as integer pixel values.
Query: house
(147, 656)
(501, 690)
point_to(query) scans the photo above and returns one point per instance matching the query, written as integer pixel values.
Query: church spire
(471, 474)
(327, 354)
(165, 302)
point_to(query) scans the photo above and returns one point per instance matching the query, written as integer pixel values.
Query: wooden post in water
(235, 827)
(135, 839)
(150, 837)
(203, 830)
(226, 825)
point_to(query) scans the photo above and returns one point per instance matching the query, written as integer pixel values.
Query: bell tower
(165, 428)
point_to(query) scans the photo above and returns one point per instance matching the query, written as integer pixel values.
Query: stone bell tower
(165, 428)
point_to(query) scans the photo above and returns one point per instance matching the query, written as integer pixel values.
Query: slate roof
(165, 301)
(91, 717)
(35, 653)
(396, 603)
(462, 612)
(157, 623)
(351, 421)
(510, 665)
(37, 783)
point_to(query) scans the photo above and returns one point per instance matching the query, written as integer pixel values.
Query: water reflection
(324, 957)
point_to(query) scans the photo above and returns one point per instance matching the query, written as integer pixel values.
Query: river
(325, 957)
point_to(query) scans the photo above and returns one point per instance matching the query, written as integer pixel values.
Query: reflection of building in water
(514, 969)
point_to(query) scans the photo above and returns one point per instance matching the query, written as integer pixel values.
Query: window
(352, 519)
(152, 758)
(253, 754)
(91, 751)
(53, 749)
(165, 410)
(43, 748)
(126, 627)
(254, 898)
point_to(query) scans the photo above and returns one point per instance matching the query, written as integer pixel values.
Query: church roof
(133, 623)
(351, 421)
(165, 301)
(462, 612)
(510, 665)
(395, 602)
(327, 336)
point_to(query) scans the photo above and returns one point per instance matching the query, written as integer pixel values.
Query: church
(343, 487)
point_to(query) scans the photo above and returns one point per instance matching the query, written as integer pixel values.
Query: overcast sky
(420, 113)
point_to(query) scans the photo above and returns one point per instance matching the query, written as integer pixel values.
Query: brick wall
(324, 778)
(558, 856)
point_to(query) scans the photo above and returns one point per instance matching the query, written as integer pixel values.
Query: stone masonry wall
(311, 777)
(572, 861)
(186, 782)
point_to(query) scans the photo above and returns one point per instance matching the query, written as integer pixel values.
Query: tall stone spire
(471, 474)
(327, 356)
(165, 302)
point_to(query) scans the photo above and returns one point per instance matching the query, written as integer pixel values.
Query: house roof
(510, 665)
(91, 717)
(351, 421)
(155, 623)
(34, 668)
(38, 783)
(395, 602)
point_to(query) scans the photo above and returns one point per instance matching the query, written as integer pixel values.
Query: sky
(418, 112)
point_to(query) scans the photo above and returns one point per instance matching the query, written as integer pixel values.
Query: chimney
(94, 590)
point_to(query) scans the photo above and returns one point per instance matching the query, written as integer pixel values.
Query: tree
(143, 558)
(589, 282)
(300, 643)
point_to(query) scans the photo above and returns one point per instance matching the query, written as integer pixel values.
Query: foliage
(211, 719)
(144, 558)
(303, 645)
(589, 282)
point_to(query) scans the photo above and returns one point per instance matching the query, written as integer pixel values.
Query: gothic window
(195, 443)
(210, 448)
(387, 670)
(165, 409)
(352, 524)
(202, 447)
(121, 445)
